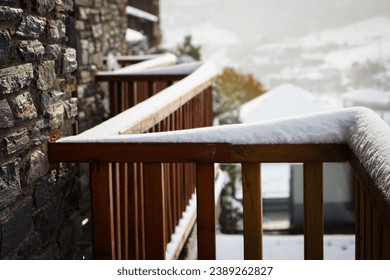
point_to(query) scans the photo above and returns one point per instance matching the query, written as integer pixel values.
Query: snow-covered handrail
(356, 135)
(143, 116)
(157, 61)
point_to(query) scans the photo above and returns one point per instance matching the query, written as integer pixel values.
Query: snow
(133, 36)
(181, 228)
(190, 213)
(282, 101)
(158, 61)
(286, 247)
(132, 11)
(143, 110)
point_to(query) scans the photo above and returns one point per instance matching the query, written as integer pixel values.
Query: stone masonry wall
(38, 200)
(50, 51)
(99, 29)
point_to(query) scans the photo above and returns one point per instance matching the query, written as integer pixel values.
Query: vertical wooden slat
(155, 225)
(205, 211)
(102, 211)
(376, 235)
(358, 214)
(133, 206)
(368, 230)
(361, 228)
(253, 211)
(124, 202)
(313, 211)
(385, 243)
(117, 209)
(141, 210)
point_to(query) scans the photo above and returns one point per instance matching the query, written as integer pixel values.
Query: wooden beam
(313, 211)
(102, 211)
(155, 219)
(205, 211)
(253, 211)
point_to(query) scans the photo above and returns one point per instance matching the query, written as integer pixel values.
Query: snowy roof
(286, 100)
(372, 98)
(132, 11)
(133, 36)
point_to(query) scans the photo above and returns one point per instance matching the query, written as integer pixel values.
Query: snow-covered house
(145, 18)
(282, 183)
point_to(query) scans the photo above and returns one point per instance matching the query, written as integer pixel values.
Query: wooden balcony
(142, 183)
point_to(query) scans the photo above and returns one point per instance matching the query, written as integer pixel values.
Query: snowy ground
(286, 247)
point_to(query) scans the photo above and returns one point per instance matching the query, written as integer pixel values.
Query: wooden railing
(136, 206)
(204, 147)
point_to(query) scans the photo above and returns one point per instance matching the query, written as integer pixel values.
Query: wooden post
(155, 219)
(205, 211)
(313, 211)
(253, 211)
(102, 211)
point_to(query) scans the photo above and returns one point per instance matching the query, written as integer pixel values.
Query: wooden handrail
(205, 147)
(132, 201)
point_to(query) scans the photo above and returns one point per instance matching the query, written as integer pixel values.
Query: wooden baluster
(155, 219)
(368, 230)
(117, 208)
(385, 243)
(359, 222)
(113, 100)
(205, 211)
(141, 210)
(133, 206)
(313, 211)
(102, 211)
(124, 202)
(253, 211)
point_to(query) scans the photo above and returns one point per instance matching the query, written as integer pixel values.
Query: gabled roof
(286, 100)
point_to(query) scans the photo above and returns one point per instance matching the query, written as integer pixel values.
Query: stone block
(46, 189)
(69, 60)
(5, 45)
(84, 3)
(54, 116)
(49, 218)
(28, 247)
(10, 14)
(50, 98)
(14, 78)
(52, 52)
(39, 166)
(64, 5)
(7, 119)
(16, 228)
(15, 142)
(31, 50)
(70, 234)
(71, 108)
(56, 29)
(44, 6)
(46, 75)
(31, 27)
(23, 106)
(9, 183)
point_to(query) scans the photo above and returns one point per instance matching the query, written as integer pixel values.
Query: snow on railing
(136, 210)
(356, 135)
(157, 107)
(156, 61)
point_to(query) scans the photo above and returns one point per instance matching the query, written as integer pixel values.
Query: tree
(232, 89)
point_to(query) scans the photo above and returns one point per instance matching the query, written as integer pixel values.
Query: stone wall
(50, 51)
(99, 29)
(38, 200)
